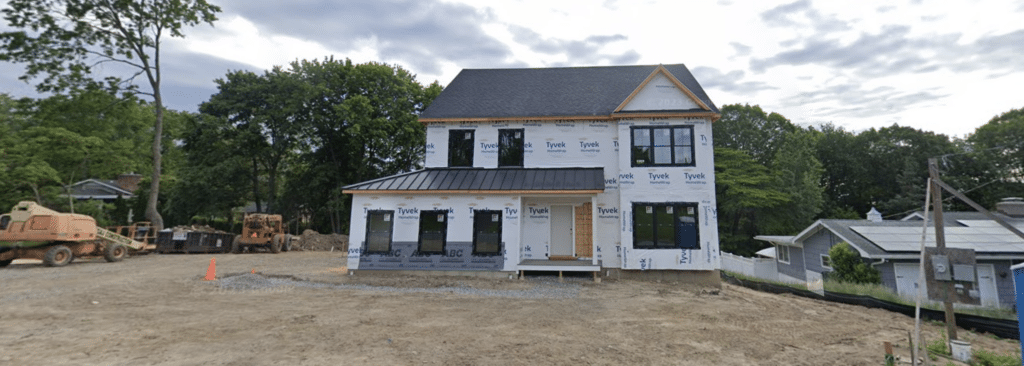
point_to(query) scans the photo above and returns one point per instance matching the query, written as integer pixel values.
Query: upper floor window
(510, 147)
(460, 148)
(662, 146)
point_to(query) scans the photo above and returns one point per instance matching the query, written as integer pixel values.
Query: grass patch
(883, 293)
(986, 358)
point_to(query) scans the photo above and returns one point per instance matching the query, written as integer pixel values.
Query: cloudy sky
(946, 68)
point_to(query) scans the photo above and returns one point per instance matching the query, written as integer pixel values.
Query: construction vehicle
(32, 231)
(262, 231)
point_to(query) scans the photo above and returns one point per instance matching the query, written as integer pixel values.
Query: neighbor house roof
(98, 189)
(553, 92)
(901, 239)
(483, 180)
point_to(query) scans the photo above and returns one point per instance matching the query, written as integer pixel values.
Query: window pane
(378, 233)
(684, 137)
(486, 232)
(643, 226)
(510, 147)
(686, 228)
(662, 137)
(433, 225)
(663, 155)
(683, 155)
(641, 137)
(664, 228)
(460, 148)
(641, 155)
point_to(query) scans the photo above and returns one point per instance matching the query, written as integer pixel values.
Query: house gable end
(661, 91)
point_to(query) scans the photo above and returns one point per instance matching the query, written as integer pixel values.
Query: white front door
(906, 279)
(561, 231)
(987, 285)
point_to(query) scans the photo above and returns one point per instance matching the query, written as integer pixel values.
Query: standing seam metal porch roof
(487, 179)
(549, 92)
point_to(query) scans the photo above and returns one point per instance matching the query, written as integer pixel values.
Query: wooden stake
(890, 360)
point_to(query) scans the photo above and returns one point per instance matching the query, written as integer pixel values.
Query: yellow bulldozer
(262, 231)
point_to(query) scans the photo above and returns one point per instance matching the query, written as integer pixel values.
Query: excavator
(31, 231)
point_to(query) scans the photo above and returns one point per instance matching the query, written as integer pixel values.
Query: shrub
(847, 266)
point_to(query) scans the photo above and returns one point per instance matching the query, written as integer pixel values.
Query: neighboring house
(893, 247)
(106, 190)
(596, 169)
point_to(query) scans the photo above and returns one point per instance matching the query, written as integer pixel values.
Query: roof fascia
(518, 192)
(615, 116)
(662, 70)
(113, 187)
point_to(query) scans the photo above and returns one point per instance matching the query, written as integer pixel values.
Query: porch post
(593, 229)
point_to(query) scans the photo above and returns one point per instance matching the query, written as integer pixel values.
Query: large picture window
(662, 146)
(486, 232)
(433, 231)
(460, 148)
(510, 147)
(379, 224)
(665, 226)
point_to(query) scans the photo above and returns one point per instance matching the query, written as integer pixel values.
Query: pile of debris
(313, 241)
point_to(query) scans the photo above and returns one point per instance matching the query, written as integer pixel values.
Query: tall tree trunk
(154, 186)
(256, 184)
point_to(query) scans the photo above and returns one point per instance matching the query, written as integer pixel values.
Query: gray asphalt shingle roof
(548, 92)
(481, 179)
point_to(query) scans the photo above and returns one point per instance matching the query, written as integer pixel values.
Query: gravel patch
(542, 289)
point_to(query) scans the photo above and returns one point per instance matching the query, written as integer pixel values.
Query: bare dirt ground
(155, 309)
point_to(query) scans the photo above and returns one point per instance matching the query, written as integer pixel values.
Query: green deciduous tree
(62, 40)
(847, 266)
(744, 193)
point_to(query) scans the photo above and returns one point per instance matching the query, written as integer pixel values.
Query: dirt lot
(155, 309)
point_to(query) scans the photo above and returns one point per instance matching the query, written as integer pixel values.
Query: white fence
(763, 268)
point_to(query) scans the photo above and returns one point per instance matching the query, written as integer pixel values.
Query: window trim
(521, 150)
(391, 231)
(825, 257)
(673, 144)
(475, 231)
(472, 147)
(778, 253)
(444, 232)
(677, 211)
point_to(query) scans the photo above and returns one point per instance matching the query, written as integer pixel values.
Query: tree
(744, 192)
(749, 129)
(993, 167)
(66, 38)
(260, 113)
(363, 125)
(843, 171)
(847, 266)
(797, 175)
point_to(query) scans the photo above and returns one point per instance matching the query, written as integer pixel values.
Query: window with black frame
(662, 146)
(433, 231)
(378, 231)
(460, 148)
(486, 232)
(665, 226)
(510, 147)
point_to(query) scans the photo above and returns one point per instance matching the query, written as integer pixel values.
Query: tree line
(775, 177)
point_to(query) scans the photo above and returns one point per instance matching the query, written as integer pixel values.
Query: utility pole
(940, 242)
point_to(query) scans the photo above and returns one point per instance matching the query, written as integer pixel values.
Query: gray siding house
(893, 247)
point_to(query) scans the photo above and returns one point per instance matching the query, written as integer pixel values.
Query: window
(486, 232)
(4, 221)
(433, 231)
(510, 147)
(826, 262)
(665, 226)
(378, 231)
(662, 146)
(460, 148)
(782, 253)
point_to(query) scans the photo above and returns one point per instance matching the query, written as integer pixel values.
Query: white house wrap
(551, 169)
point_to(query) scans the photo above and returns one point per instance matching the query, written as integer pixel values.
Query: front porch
(560, 266)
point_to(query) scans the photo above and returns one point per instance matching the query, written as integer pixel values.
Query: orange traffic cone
(253, 271)
(211, 273)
